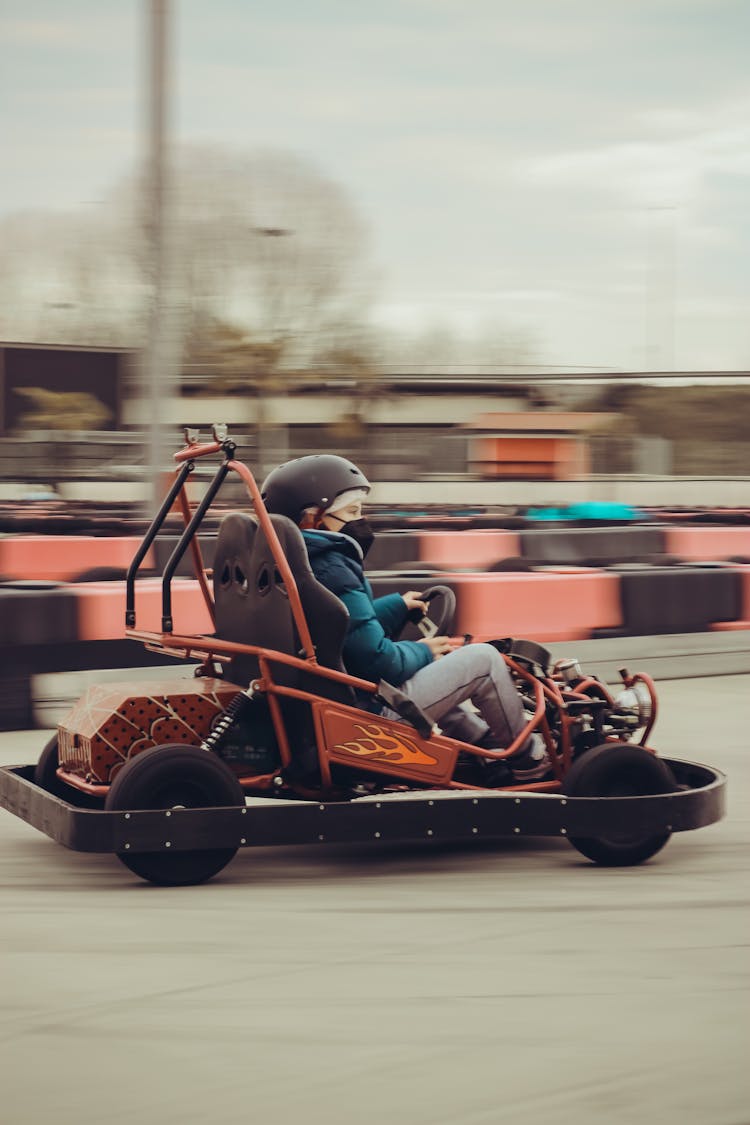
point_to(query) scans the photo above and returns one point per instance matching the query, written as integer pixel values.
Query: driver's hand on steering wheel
(413, 600)
(439, 646)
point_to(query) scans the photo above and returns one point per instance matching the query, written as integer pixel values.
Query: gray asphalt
(428, 986)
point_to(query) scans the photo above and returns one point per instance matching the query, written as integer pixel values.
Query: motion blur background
(384, 232)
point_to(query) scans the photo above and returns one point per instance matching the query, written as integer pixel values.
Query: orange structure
(544, 445)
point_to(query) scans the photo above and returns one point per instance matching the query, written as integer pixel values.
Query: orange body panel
(111, 723)
(384, 746)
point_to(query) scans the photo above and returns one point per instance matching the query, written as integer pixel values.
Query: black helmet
(309, 482)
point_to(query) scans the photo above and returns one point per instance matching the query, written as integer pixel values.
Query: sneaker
(532, 764)
(494, 774)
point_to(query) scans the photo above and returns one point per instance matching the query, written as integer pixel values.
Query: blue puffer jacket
(369, 652)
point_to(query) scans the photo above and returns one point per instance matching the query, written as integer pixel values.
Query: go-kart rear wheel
(172, 777)
(618, 769)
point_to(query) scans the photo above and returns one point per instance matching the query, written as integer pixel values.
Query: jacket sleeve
(391, 612)
(369, 654)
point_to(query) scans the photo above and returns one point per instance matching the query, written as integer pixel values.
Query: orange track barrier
(59, 558)
(540, 607)
(468, 548)
(706, 544)
(101, 608)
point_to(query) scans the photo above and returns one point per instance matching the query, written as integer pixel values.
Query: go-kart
(161, 776)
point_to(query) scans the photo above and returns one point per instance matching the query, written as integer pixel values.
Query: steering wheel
(438, 621)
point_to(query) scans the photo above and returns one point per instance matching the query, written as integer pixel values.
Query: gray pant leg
(476, 672)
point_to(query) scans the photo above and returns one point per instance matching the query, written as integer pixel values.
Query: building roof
(539, 422)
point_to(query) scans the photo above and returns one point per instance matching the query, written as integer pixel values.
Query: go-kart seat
(252, 606)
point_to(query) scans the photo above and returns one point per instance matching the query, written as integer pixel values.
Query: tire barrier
(62, 558)
(591, 546)
(391, 547)
(704, 544)
(468, 548)
(101, 608)
(46, 625)
(165, 545)
(36, 614)
(16, 704)
(743, 622)
(542, 607)
(35, 618)
(680, 599)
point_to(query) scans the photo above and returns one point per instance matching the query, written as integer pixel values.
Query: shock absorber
(234, 711)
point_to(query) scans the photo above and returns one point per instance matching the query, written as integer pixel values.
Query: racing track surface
(428, 986)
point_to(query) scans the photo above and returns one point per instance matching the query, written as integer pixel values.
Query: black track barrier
(34, 616)
(392, 547)
(37, 614)
(579, 546)
(681, 599)
(163, 547)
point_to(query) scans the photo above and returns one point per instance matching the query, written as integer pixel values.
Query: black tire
(175, 776)
(617, 769)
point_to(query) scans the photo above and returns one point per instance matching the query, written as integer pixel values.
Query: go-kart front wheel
(618, 769)
(175, 777)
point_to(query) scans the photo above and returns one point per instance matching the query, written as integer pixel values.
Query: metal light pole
(156, 358)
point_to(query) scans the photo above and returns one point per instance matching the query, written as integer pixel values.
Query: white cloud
(660, 170)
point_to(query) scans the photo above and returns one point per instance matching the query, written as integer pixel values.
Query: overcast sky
(577, 169)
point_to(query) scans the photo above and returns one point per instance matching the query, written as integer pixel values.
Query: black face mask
(361, 532)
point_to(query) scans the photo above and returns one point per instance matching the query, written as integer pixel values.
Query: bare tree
(60, 414)
(262, 240)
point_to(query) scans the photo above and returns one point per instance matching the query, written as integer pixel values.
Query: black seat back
(252, 605)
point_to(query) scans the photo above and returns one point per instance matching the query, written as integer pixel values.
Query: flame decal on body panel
(379, 743)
